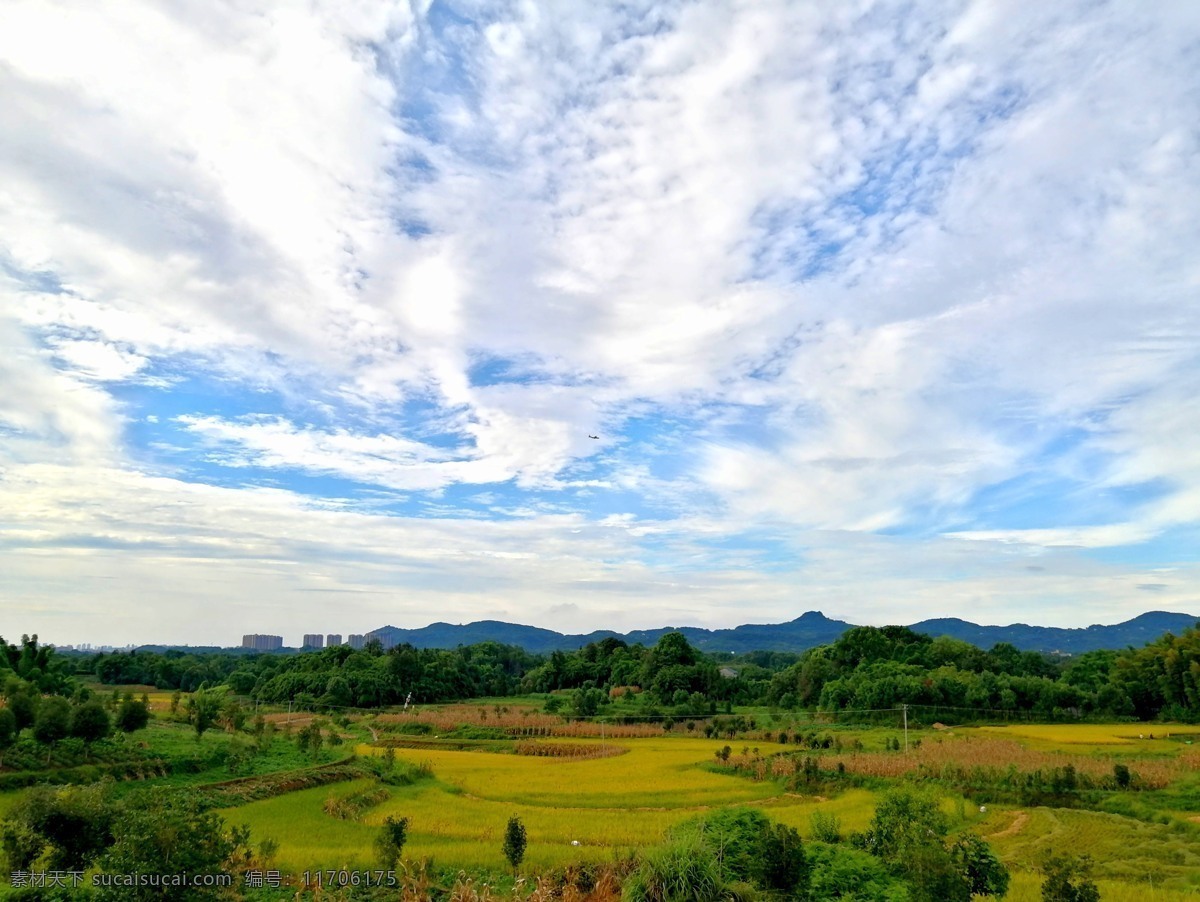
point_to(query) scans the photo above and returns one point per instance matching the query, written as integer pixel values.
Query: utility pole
(290, 715)
(904, 708)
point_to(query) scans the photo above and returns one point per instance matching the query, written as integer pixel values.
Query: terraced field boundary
(265, 786)
(137, 769)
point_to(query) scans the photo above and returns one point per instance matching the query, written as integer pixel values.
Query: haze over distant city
(310, 314)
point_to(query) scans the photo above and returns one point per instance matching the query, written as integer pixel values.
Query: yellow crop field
(1142, 738)
(160, 699)
(578, 809)
(656, 773)
(573, 809)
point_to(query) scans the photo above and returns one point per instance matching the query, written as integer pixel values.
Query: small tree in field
(390, 841)
(8, 731)
(1068, 879)
(203, 708)
(132, 716)
(90, 722)
(514, 842)
(53, 722)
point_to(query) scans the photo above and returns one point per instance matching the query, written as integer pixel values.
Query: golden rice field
(604, 804)
(160, 699)
(578, 808)
(1146, 739)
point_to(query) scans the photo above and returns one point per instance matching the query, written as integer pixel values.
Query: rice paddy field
(596, 809)
(597, 794)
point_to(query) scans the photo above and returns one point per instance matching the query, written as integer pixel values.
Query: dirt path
(1012, 829)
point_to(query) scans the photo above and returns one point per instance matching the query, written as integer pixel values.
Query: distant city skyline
(701, 314)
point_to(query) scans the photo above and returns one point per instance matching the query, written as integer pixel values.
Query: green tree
(985, 874)
(146, 840)
(132, 715)
(514, 842)
(904, 820)
(1068, 879)
(53, 720)
(309, 739)
(586, 702)
(203, 709)
(90, 721)
(233, 715)
(908, 833)
(24, 707)
(390, 842)
(66, 827)
(749, 848)
(842, 872)
(8, 732)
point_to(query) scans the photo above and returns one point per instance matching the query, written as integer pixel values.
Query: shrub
(514, 842)
(90, 722)
(748, 847)
(840, 872)
(825, 827)
(684, 870)
(390, 841)
(1068, 879)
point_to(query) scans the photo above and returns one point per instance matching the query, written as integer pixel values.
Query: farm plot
(574, 809)
(577, 809)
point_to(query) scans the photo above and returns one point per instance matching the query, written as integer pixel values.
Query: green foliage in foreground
(684, 870)
(730, 853)
(908, 833)
(1068, 879)
(154, 831)
(750, 848)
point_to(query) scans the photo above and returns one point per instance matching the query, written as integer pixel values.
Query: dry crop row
(573, 750)
(518, 722)
(984, 756)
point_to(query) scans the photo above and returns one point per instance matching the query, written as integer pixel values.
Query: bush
(825, 827)
(839, 872)
(90, 722)
(1068, 879)
(514, 842)
(749, 847)
(390, 841)
(685, 870)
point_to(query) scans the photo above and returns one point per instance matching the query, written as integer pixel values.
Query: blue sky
(881, 309)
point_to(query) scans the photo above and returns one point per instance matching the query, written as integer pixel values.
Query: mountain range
(806, 631)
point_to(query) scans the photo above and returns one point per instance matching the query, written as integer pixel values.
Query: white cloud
(838, 268)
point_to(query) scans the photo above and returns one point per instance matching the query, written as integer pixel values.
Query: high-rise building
(357, 640)
(261, 642)
(333, 639)
(313, 640)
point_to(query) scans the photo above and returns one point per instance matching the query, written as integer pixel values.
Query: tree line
(866, 668)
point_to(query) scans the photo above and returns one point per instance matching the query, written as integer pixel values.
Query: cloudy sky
(308, 313)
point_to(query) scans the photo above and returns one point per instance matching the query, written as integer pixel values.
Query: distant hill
(806, 631)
